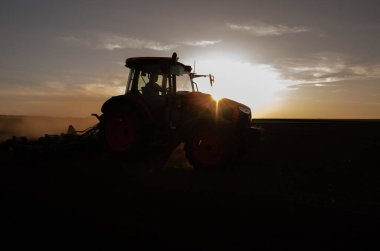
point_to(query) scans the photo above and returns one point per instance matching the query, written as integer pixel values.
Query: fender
(134, 101)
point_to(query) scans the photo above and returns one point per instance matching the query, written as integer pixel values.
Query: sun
(253, 85)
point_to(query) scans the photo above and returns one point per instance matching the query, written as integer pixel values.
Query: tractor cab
(165, 86)
(167, 75)
(157, 75)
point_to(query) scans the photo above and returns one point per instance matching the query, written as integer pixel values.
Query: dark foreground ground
(310, 185)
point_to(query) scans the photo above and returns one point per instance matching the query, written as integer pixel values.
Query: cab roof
(148, 63)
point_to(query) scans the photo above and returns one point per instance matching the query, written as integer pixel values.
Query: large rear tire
(122, 132)
(211, 147)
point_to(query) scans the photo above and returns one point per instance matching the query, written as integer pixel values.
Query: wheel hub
(119, 132)
(208, 149)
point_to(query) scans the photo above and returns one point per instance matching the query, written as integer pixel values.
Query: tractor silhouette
(162, 108)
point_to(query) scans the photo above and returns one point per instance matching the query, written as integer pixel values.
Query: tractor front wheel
(211, 148)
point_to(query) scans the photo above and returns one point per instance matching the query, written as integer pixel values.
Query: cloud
(261, 29)
(55, 85)
(202, 43)
(113, 42)
(373, 103)
(324, 68)
(61, 90)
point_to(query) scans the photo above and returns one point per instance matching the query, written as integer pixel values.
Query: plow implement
(73, 141)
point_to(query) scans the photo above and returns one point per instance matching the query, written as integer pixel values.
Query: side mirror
(211, 79)
(174, 58)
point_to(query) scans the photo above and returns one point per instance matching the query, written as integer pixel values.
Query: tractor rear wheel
(122, 132)
(211, 148)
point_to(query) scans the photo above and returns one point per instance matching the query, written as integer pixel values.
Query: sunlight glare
(216, 97)
(253, 85)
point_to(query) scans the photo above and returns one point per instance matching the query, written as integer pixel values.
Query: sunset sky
(285, 59)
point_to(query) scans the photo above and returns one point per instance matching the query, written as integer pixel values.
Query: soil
(309, 185)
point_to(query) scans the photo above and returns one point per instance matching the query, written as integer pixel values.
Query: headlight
(245, 110)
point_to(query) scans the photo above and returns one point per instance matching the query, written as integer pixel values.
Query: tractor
(162, 108)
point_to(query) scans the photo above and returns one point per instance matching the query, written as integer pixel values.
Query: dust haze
(34, 127)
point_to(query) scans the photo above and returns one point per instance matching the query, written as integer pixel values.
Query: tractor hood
(227, 109)
(207, 101)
